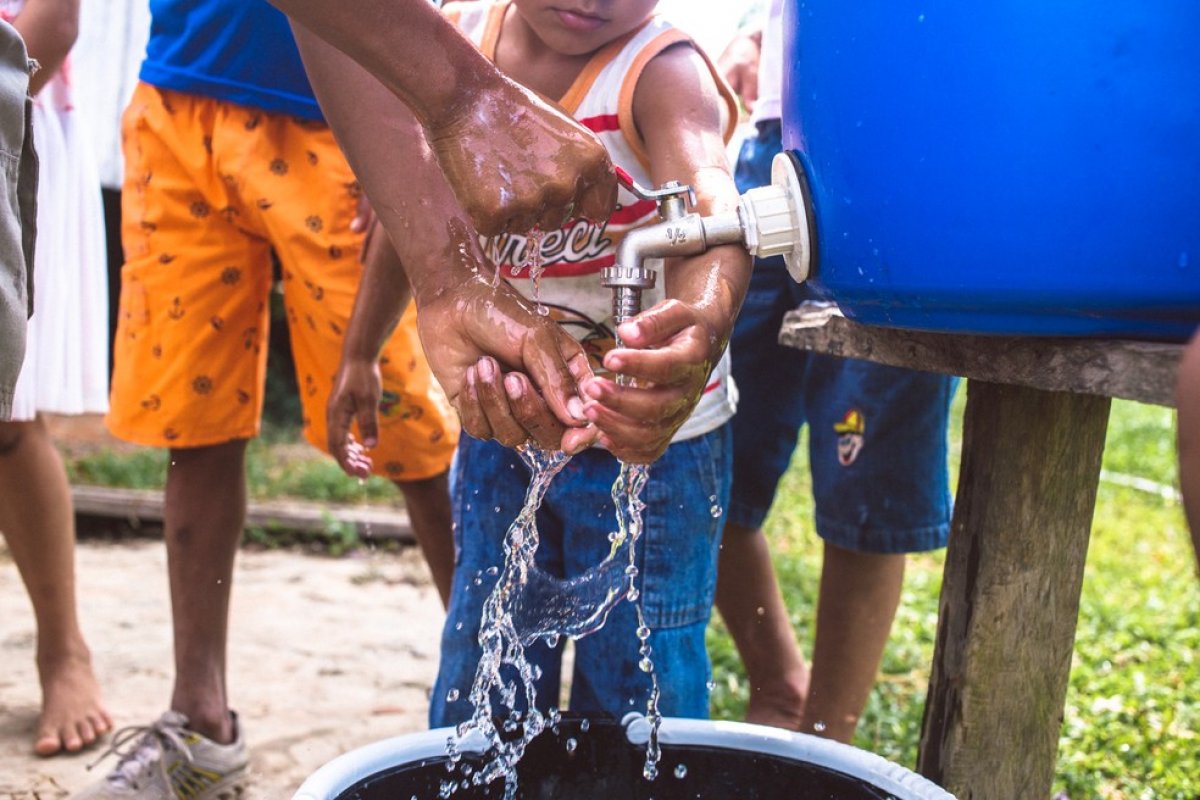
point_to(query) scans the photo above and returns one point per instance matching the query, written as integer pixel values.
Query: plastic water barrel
(603, 760)
(1015, 167)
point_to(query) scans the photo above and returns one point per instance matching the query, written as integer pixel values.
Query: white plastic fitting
(775, 219)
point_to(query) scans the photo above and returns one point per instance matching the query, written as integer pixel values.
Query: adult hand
(505, 407)
(670, 352)
(516, 163)
(739, 64)
(477, 319)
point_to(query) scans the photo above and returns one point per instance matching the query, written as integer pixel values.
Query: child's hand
(515, 162)
(670, 353)
(506, 408)
(357, 388)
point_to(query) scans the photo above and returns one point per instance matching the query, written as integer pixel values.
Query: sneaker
(166, 761)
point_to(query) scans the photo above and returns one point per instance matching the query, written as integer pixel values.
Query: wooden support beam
(1010, 598)
(1142, 371)
(138, 506)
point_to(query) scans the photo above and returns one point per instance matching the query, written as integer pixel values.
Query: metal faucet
(770, 220)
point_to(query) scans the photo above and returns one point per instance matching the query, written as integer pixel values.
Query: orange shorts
(210, 189)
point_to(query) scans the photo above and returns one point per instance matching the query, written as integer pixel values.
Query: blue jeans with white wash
(677, 568)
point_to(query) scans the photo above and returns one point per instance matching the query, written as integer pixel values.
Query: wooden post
(1010, 598)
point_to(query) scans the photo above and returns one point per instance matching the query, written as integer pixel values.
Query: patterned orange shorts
(211, 188)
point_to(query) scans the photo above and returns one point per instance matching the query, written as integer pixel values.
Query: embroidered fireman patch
(850, 436)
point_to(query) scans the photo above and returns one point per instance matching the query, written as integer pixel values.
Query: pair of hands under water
(512, 374)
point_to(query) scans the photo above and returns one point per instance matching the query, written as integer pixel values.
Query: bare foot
(73, 716)
(780, 705)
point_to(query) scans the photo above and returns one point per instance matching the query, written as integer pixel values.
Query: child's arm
(383, 294)
(49, 28)
(672, 347)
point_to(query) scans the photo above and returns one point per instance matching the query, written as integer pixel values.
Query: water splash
(528, 604)
(536, 265)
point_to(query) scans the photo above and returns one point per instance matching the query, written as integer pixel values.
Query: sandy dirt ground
(325, 655)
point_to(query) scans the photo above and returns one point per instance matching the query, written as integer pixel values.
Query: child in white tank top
(660, 107)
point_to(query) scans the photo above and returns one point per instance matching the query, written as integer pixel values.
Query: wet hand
(476, 319)
(505, 407)
(515, 163)
(669, 354)
(357, 388)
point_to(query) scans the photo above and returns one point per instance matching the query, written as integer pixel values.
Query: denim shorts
(877, 434)
(677, 563)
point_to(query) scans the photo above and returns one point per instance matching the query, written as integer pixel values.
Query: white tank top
(601, 99)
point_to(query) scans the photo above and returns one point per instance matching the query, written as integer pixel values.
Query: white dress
(66, 356)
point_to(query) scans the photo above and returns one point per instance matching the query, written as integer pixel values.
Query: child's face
(578, 27)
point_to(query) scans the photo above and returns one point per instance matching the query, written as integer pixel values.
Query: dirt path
(326, 655)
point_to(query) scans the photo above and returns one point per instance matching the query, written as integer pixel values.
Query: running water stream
(527, 604)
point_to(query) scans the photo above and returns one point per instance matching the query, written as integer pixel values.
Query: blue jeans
(877, 434)
(676, 558)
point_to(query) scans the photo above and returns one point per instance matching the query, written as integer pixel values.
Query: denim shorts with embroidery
(676, 557)
(877, 434)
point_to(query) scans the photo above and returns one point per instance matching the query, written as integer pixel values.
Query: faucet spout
(771, 220)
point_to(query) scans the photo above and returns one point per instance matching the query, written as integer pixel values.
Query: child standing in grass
(664, 114)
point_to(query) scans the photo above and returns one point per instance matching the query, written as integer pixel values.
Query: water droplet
(571, 744)
(458, 626)
(493, 570)
(760, 611)
(584, 725)
(446, 790)
(452, 695)
(631, 595)
(649, 772)
(819, 726)
(478, 582)
(643, 632)
(920, 17)
(712, 685)
(552, 640)
(646, 665)
(631, 571)
(496, 509)
(716, 511)
(681, 771)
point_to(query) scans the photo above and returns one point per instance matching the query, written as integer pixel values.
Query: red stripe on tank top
(601, 123)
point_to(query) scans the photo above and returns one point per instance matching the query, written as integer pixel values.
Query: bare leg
(428, 503)
(857, 603)
(1187, 400)
(38, 520)
(750, 602)
(204, 516)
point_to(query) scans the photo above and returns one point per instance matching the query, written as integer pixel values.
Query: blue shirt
(240, 51)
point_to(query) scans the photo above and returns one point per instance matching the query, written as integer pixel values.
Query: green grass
(1132, 724)
(276, 466)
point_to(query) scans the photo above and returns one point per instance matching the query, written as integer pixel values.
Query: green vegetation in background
(1132, 723)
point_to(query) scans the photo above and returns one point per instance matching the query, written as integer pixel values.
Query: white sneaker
(169, 762)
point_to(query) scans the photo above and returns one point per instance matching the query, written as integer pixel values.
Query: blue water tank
(1017, 167)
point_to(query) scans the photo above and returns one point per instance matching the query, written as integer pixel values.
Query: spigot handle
(666, 191)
